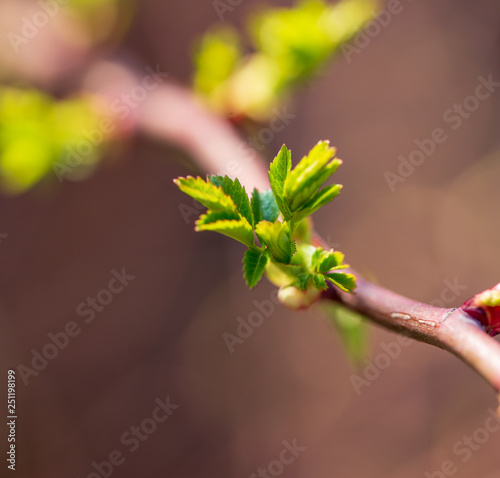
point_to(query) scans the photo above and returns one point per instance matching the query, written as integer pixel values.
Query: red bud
(485, 307)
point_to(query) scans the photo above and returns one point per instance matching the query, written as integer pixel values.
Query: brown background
(291, 379)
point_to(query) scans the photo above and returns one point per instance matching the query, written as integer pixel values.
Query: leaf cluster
(39, 133)
(274, 224)
(289, 45)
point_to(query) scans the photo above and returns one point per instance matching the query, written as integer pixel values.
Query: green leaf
(216, 180)
(264, 206)
(323, 197)
(304, 181)
(217, 56)
(278, 172)
(304, 230)
(277, 237)
(254, 265)
(345, 282)
(303, 281)
(324, 261)
(319, 281)
(237, 193)
(236, 229)
(214, 216)
(280, 34)
(37, 133)
(352, 330)
(206, 193)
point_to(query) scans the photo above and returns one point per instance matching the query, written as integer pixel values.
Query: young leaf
(345, 282)
(206, 193)
(319, 281)
(254, 265)
(303, 183)
(323, 197)
(214, 216)
(237, 193)
(303, 281)
(217, 56)
(277, 237)
(236, 229)
(216, 180)
(324, 261)
(264, 206)
(278, 172)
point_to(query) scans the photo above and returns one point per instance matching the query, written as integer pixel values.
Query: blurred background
(67, 227)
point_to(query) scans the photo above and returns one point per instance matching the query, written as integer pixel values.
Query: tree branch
(451, 329)
(173, 114)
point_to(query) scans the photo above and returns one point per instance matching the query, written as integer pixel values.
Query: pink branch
(173, 114)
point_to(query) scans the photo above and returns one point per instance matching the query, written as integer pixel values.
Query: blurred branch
(174, 115)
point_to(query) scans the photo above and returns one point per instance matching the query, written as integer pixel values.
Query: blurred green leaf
(352, 330)
(38, 132)
(291, 44)
(320, 282)
(216, 58)
(303, 281)
(299, 39)
(292, 37)
(102, 18)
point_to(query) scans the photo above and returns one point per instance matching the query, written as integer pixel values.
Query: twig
(174, 115)
(450, 329)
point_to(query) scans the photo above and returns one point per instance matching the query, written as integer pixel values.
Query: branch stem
(451, 329)
(175, 116)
